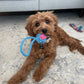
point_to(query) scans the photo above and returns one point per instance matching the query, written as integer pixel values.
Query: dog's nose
(44, 30)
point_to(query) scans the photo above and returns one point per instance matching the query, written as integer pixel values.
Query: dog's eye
(37, 24)
(47, 21)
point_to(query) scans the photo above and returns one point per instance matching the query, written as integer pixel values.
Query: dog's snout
(44, 30)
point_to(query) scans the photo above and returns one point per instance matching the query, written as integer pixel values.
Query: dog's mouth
(43, 36)
(48, 38)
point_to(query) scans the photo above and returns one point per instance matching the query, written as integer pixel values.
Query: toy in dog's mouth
(44, 36)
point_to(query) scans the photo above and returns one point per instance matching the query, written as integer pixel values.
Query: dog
(44, 23)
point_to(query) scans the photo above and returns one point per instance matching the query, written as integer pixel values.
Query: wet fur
(58, 37)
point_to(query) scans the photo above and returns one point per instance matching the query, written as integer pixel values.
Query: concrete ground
(68, 67)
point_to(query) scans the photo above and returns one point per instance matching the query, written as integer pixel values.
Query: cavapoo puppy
(44, 23)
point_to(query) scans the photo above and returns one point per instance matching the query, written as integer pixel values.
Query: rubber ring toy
(40, 38)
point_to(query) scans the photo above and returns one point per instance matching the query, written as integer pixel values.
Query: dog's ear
(29, 25)
(55, 20)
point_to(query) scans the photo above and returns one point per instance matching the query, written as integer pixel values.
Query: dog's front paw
(11, 81)
(37, 75)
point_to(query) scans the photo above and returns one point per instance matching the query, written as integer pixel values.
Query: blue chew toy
(76, 28)
(40, 38)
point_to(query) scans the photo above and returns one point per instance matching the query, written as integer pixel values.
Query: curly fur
(58, 37)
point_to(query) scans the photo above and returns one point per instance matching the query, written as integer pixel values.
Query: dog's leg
(73, 43)
(43, 67)
(23, 72)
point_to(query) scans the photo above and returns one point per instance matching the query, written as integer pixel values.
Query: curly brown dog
(46, 23)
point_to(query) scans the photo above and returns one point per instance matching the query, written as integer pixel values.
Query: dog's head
(42, 22)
